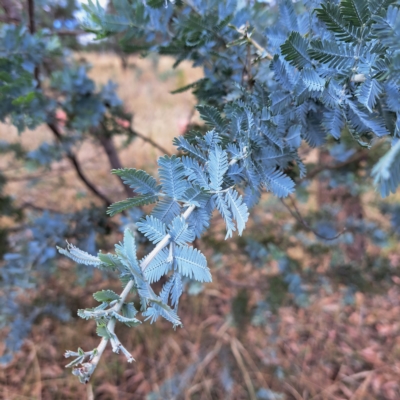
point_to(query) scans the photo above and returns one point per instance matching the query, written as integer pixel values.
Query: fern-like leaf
(280, 100)
(160, 309)
(330, 13)
(376, 6)
(333, 122)
(283, 72)
(158, 267)
(392, 97)
(79, 256)
(137, 201)
(217, 167)
(152, 228)
(172, 288)
(129, 321)
(180, 231)
(195, 196)
(109, 261)
(195, 173)
(212, 117)
(105, 296)
(138, 180)
(172, 176)
(314, 134)
(166, 210)
(355, 11)
(238, 208)
(312, 80)
(199, 220)
(278, 182)
(226, 214)
(176, 290)
(369, 92)
(334, 55)
(192, 263)
(129, 311)
(293, 138)
(212, 138)
(288, 15)
(166, 290)
(126, 252)
(386, 27)
(295, 50)
(361, 121)
(182, 144)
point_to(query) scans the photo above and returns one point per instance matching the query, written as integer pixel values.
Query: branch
(11, 10)
(113, 158)
(78, 169)
(9, 20)
(148, 140)
(88, 368)
(108, 145)
(31, 16)
(299, 218)
(354, 159)
(264, 52)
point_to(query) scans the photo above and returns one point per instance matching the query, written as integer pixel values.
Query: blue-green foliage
(267, 87)
(27, 102)
(19, 54)
(332, 67)
(152, 228)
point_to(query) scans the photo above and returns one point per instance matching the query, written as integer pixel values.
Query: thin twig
(148, 140)
(246, 376)
(354, 159)
(12, 12)
(77, 167)
(113, 158)
(350, 379)
(299, 218)
(31, 15)
(9, 20)
(264, 52)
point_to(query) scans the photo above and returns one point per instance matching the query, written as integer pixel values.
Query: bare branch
(77, 167)
(148, 140)
(299, 218)
(31, 15)
(354, 159)
(113, 158)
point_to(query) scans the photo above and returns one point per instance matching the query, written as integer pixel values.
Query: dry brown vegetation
(327, 351)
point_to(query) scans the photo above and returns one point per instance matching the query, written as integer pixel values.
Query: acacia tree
(321, 72)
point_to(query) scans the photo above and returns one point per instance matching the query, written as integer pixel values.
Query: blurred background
(305, 305)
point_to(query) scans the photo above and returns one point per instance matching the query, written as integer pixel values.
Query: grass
(331, 350)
